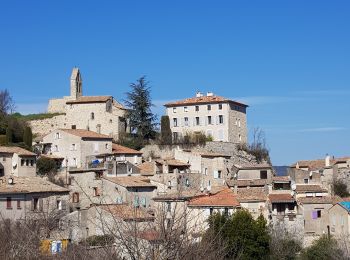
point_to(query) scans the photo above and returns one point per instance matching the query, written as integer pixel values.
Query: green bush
(35, 116)
(45, 166)
(241, 235)
(323, 249)
(3, 140)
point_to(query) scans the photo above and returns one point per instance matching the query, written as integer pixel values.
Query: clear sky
(289, 60)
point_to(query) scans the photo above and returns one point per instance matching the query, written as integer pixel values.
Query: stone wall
(47, 125)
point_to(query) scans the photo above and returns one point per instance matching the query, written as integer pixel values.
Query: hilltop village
(101, 186)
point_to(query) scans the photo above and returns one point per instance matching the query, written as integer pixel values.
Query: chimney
(210, 94)
(327, 161)
(199, 94)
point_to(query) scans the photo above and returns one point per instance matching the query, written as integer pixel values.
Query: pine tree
(139, 103)
(165, 131)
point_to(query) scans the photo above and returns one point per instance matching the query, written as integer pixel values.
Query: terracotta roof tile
(89, 99)
(281, 198)
(86, 134)
(303, 188)
(319, 200)
(119, 149)
(281, 179)
(17, 150)
(131, 181)
(251, 194)
(224, 198)
(29, 185)
(318, 164)
(127, 212)
(246, 183)
(203, 100)
(147, 168)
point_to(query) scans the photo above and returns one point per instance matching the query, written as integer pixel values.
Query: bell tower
(76, 84)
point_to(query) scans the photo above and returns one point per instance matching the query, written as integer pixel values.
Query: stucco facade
(222, 119)
(15, 161)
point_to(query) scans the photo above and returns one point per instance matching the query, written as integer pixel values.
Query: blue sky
(289, 60)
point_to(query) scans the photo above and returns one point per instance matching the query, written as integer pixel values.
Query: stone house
(339, 215)
(315, 211)
(221, 118)
(254, 199)
(31, 198)
(134, 190)
(102, 114)
(79, 147)
(16, 161)
(123, 153)
(203, 206)
(118, 220)
(309, 190)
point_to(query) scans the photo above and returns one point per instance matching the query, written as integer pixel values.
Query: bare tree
(7, 105)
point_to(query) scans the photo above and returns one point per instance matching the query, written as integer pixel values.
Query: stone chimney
(199, 94)
(327, 161)
(210, 94)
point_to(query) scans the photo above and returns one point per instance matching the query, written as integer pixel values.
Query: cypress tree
(165, 131)
(28, 136)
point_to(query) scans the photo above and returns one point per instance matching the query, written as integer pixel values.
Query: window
(209, 120)
(185, 109)
(96, 191)
(56, 148)
(211, 210)
(106, 146)
(27, 162)
(226, 211)
(75, 197)
(174, 110)
(187, 182)
(197, 121)
(239, 122)
(168, 208)
(220, 106)
(74, 127)
(318, 213)
(92, 117)
(59, 204)
(22, 162)
(9, 203)
(306, 181)
(240, 137)
(221, 119)
(57, 136)
(175, 122)
(186, 121)
(37, 204)
(98, 128)
(208, 107)
(263, 175)
(19, 204)
(31, 162)
(205, 171)
(219, 174)
(175, 136)
(197, 108)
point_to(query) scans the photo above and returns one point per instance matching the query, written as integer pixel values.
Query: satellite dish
(10, 181)
(294, 186)
(14, 164)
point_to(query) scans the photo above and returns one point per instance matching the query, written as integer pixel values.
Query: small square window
(197, 108)
(306, 181)
(220, 106)
(209, 107)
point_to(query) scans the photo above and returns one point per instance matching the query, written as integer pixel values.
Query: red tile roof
(203, 100)
(17, 150)
(89, 99)
(119, 149)
(251, 195)
(86, 134)
(303, 188)
(147, 169)
(281, 198)
(131, 181)
(313, 165)
(319, 200)
(224, 198)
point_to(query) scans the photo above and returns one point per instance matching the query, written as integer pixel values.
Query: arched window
(75, 197)
(92, 115)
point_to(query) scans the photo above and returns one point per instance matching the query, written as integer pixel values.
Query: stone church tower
(76, 84)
